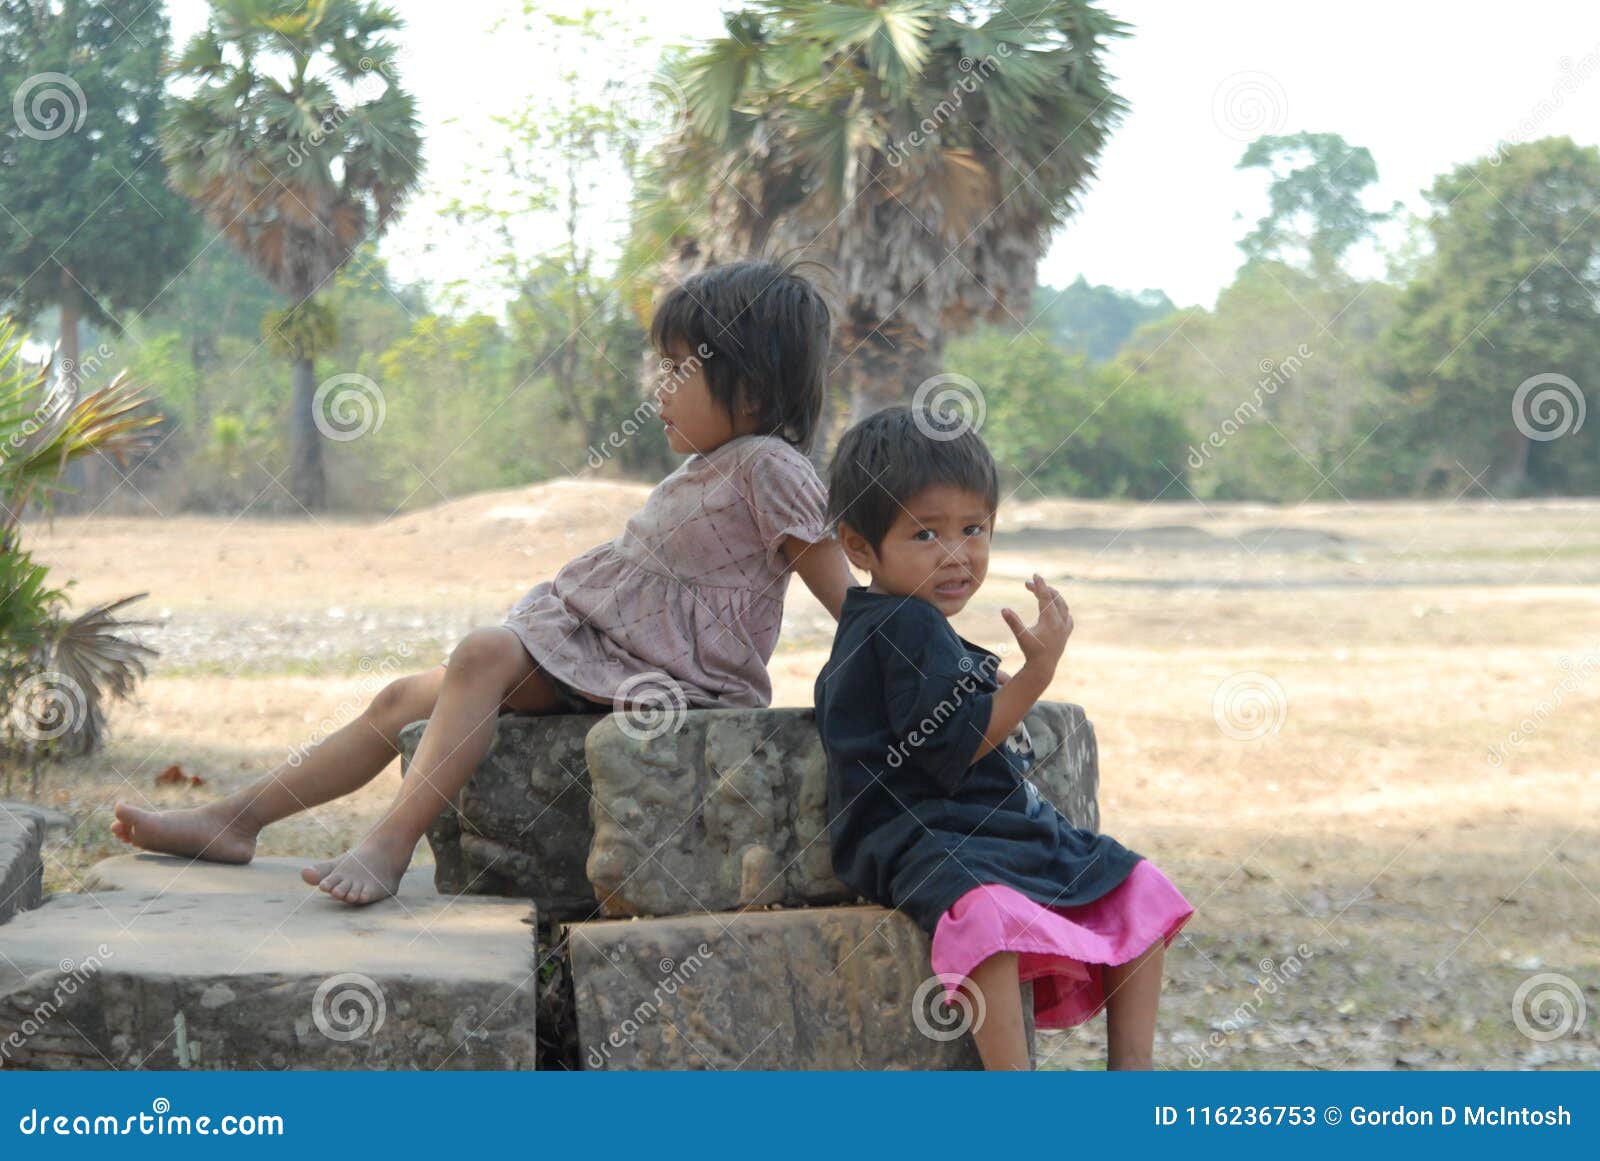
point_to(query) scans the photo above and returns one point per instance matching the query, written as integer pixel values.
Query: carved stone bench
(710, 834)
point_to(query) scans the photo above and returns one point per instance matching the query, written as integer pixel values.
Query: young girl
(688, 597)
(930, 808)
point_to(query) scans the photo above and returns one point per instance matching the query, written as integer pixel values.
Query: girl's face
(937, 549)
(694, 421)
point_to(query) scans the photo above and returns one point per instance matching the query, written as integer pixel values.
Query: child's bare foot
(215, 832)
(367, 872)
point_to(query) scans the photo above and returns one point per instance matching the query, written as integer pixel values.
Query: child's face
(694, 421)
(937, 549)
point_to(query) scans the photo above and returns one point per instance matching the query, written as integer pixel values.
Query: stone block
(21, 866)
(248, 967)
(819, 988)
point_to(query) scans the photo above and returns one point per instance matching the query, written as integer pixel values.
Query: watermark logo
(1249, 705)
(948, 406)
(49, 105)
(943, 1019)
(347, 407)
(49, 705)
(348, 1006)
(1548, 406)
(649, 705)
(1248, 104)
(1548, 1006)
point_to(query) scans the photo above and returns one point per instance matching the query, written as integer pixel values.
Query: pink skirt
(1063, 950)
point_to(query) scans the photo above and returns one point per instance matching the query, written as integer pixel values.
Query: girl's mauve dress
(692, 588)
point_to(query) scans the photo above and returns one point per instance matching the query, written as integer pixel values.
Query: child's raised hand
(1043, 642)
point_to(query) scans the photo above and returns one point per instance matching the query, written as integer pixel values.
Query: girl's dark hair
(759, 328)
(890, 456)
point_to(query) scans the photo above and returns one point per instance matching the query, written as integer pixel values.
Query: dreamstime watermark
(1574, 74)
(49, 105)
(348, 1006)
(659, 102)
(1573, 680)
(674, 974)
(1248, 104)
(649, 704)
(61, 395)
(672, 376)
(947, 1006)
(947, 406)
(347, 407)
(1274, 978)
(1548, 406)
(1249, 705)
(975, 72)
(368, 87)
(1273, 376)
(1548, 1006)
(73, 975)
(973, 679)
(375, 674)
(48, 705)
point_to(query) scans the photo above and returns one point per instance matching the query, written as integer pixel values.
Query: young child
(930, 808)
(691, 593)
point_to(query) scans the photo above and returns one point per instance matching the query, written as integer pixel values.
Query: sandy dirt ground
(1361, 737)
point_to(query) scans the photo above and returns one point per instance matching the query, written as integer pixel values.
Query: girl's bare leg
(225, 831)
(1133, 993)
(490, 668)
(1001, 1037)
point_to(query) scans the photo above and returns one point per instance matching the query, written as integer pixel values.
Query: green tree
(1280, 384)
(299, 144)
(89, 225)
(1097, 320)
(1496, 340)
(1316, 210)
(925, 151)
(578, 322)
(1058, 424)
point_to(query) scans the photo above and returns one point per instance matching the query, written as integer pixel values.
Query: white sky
(1424, 86)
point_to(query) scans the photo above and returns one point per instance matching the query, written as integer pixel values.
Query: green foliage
(1096, 320)
(56, 673)
(1280, 385)
(1058, 424)
(88, 217)
(1509, 293)
(1316, 208)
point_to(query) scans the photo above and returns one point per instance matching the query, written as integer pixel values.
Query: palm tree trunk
(306, 480)
(878, 374)
(78, 476)
(1512, 478)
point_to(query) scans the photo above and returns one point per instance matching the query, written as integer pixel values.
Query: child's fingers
(1014, 623)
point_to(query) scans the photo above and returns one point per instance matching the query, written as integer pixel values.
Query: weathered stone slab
(824, 988)
(21, 868)
(266, 874)
(710, 810)
(252, 968)
(728, 808)
(521, 825)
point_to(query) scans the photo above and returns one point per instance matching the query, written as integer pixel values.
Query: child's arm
(822, 565)
(1042, 646)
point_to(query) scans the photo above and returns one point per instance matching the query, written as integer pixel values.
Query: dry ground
(1372, 888)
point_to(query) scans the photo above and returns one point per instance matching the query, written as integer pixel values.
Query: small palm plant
(57, 672)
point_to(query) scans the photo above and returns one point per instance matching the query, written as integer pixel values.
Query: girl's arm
(822, 565)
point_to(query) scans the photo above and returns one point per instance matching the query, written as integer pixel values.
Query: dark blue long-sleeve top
(902, 705)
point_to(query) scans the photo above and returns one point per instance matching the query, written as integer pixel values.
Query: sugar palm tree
(298, 144)
(924, 150)
(57, 672)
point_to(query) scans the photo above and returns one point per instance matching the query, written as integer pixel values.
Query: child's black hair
(890, 456)
(758, 327)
